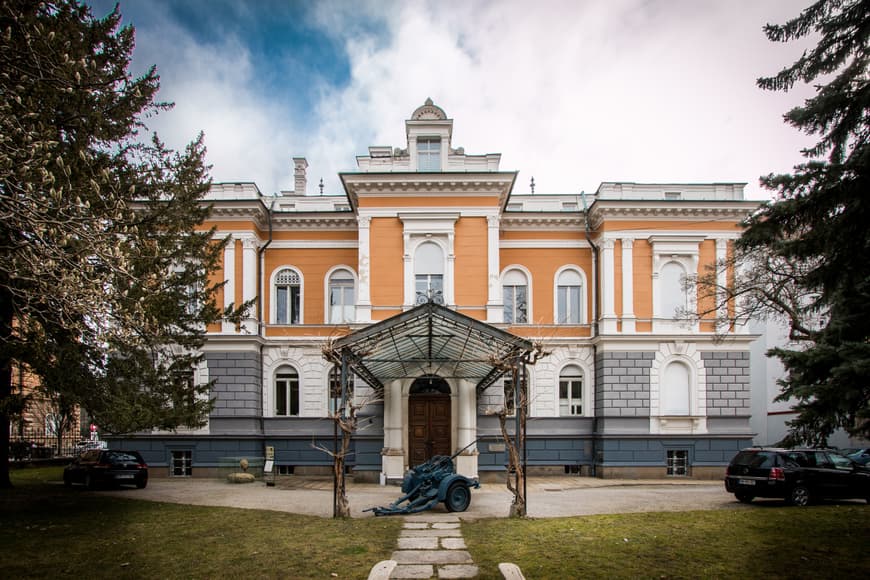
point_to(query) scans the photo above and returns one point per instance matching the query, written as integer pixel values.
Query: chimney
(299, 180)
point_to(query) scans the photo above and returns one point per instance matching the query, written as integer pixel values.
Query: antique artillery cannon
(428, 484)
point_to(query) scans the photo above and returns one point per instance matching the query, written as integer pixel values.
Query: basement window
(678, 462)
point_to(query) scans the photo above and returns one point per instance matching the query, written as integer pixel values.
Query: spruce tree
(818, 226)
(105, 267)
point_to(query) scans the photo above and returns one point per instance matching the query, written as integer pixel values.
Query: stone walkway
(431, 546)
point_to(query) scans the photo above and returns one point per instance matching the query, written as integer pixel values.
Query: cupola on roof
(429, 111)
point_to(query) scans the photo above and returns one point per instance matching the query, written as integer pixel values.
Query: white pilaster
(364, 297)
(249, 278)
(450, 278)
(393, 455)
(494, 306)
(230, 277)
(607, 287)
(408, 275)
(466, 462)
(628, 318)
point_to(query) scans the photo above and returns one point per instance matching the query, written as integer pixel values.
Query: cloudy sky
(571, 92)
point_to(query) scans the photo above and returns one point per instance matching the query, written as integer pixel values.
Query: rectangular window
(570, 397)
(515, 305)
(182, 464)
(288, 304)
(428, 154)
(287, 395)
(678, 462)
(341, 300)
(568, 298)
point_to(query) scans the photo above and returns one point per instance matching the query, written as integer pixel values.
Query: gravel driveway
(548, 496)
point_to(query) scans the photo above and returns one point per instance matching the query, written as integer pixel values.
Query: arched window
(287, 392)
(569, 303)
(288, 297)
(341, 297)
(676, 381)
(571, 391)
(429, 273)
(673, 296)
(334, 389)
(515, 288)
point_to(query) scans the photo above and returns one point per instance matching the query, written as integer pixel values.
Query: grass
(768, 541)
(50, 531)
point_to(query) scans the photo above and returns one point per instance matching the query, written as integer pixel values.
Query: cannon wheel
(458, 497)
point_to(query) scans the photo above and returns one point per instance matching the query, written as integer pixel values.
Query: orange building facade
(632, 384)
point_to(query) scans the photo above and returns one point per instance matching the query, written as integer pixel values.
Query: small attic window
(673, 195)
(428, 154)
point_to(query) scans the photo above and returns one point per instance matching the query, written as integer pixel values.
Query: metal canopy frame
(431, 339)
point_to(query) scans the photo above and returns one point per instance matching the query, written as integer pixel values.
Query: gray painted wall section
(237, 383)
(728, 383)
(622, 383)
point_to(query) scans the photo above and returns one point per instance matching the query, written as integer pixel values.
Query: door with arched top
(428, 419)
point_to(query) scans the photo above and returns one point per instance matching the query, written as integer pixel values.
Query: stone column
(466, 462)
(494, 305)
(393, 453)
(230, 286)
(608, 325)
(249, 278)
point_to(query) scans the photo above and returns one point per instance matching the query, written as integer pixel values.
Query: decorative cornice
(637, 209)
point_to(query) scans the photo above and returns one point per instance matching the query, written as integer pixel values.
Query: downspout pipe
(595, 293)
(261, 327)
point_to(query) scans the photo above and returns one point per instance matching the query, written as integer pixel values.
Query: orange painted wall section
(313, 264)
(706, 259)
(416, 200)
(542, 234)
(325, 235)
(216, 277)
(387, 264)
(542, 264)
(234, 226)
(642, 254)
(705, 226)
(470, 248)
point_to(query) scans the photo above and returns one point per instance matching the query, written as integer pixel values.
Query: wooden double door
(428, 427)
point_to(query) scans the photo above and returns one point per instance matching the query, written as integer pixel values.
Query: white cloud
(572, 93)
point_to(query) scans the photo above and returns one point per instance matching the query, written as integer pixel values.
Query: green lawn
(767, 541)
(49, 531)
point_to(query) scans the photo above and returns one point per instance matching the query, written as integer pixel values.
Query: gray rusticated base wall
(647, 457)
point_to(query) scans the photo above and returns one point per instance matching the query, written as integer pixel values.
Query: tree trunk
(5, 385)
(341, 509)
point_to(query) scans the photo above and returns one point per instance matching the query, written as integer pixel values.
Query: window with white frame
(288, 297)
(429, 273)
(571, 391)
(678, 462)
(341, 297)
(287, 393)
(181, 463)
(335, 388)
(428, 154)
(673, 296)
(515, 291)
(675, 389)
(510, 394)
(569, 304)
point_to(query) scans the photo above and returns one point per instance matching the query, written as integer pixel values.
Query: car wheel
(458, 497)
(799, 495)
(744, 497)
(141, 483)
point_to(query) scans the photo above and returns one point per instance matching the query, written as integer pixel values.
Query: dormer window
(428, 154)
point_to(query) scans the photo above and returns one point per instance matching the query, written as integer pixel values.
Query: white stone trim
(273, 298)
(696, 421)
(230, 278)
(544, 393)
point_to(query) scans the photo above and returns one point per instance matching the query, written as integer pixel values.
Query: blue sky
(572, 92)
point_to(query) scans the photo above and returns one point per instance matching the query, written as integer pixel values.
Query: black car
(107, 466)
(797, 475)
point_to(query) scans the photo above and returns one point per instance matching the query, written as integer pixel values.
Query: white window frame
(273, 285)
(280, 373)
(528, 276)
(429, 277)
(683, 250)
(695, 422)
(429, 154)
(327, 308)
(583, 401)
(582, 314)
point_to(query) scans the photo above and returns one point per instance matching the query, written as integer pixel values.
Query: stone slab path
(431, 546)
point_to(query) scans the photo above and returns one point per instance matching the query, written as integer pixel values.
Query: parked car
(797, 475)
(107, 466)
(860, 456)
